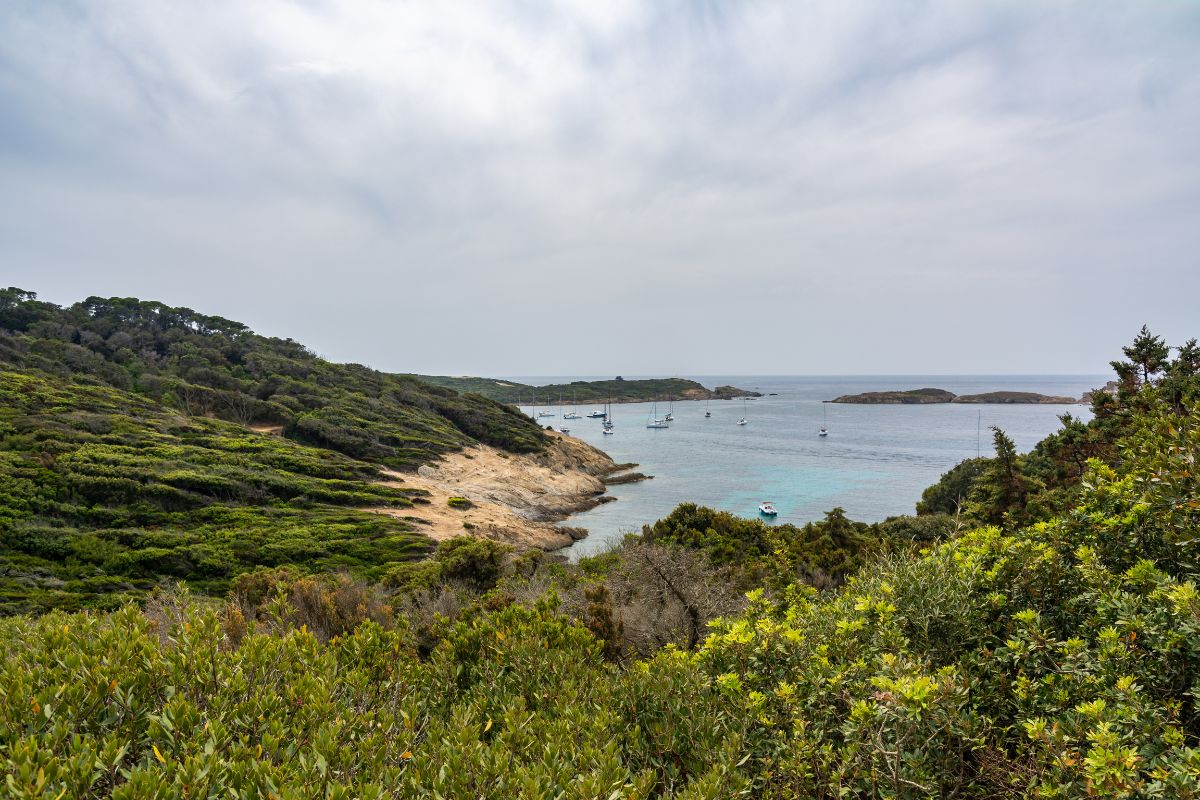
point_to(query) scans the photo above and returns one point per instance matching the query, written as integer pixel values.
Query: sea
(875, 462)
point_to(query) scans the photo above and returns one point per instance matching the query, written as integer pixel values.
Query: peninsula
(931, 396)
(616, 390)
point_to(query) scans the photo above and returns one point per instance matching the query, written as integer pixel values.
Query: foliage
(822, 553)
(1045, 482)
(1054, 654)
(950, 493)
(104, 494)
(515, 703)
(209, 366)
(1058, 660)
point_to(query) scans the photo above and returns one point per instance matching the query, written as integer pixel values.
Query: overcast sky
(618, 187)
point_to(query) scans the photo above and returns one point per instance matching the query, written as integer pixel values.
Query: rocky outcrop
(515, 499)
(731, 392)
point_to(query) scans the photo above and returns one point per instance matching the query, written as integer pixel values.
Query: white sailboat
(574, 412)
(608, 420)
(670, 417)
(824, 416)
(655, 422)
(743, 420)
(707, 403)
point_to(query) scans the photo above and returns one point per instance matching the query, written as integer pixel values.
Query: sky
(638, 188)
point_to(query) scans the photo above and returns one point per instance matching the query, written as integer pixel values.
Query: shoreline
(514, 499)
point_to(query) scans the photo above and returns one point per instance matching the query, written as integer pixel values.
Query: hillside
(206, 366)
(618, 390)
(141, 444)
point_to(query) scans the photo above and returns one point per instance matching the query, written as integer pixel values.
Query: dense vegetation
(617, 390)
(209, 366)
(136, 446)
(103, 494)
(1039, 638)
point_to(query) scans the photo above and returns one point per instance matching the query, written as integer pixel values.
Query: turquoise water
(874, 463)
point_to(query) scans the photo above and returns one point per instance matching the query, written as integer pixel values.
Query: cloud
(618, 187)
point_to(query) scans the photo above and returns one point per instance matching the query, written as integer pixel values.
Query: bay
(875, 462)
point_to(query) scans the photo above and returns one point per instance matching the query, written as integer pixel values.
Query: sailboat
(824, 415)
(655, 422)
(670, 417)
(608, 420)
(574, 412)
(707, 403)
(743, 420)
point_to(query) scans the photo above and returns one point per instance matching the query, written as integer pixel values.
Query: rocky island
(904, 397)
(931, 396)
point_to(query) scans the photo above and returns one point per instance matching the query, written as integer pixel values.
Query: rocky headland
(514, 498)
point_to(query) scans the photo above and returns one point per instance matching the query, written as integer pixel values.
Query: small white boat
(608, 431)
(658, 423)
(570, 415)
(743, 421)
(767, 509)
(596, 415)
(824, 430)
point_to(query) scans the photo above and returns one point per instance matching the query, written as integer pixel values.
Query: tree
(1149, 353)
(952, 489)
(1001, 491)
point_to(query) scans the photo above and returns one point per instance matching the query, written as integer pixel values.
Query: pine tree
(1149, 353)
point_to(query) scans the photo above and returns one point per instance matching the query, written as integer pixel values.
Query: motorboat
(767, 509)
